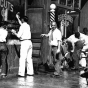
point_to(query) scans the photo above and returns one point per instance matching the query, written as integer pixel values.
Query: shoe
(3, 75)
(53, 75)
(20, 76)
(30, 75)
(56, 73)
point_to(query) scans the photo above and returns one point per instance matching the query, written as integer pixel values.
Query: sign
(4, 14)
(5, 7)
(65, 19)
(6, 4)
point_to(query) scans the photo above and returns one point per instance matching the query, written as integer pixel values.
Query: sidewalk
(9, 75)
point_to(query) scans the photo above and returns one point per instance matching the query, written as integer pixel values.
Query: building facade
(67, 12)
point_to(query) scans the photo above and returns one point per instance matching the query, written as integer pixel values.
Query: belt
(25, 39)
(2, 42)
(54, 46)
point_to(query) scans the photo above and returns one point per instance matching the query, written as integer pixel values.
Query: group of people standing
(78, 40)
(24, 35)
(77, 46)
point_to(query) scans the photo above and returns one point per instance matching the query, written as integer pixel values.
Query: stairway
(36, 40)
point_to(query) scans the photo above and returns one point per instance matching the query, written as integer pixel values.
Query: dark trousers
(56, 59)
(3, 57)
(76, 57)
(54, 53)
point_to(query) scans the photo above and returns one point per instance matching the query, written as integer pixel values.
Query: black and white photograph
(43, 43)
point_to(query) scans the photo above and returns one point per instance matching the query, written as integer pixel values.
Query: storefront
(39, 20)
(67, 13)
(39, 12)
(8, 11)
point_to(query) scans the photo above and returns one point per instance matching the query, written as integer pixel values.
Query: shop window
(76, 4)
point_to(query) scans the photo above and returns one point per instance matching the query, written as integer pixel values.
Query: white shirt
(24, 31)
(56, 36)
(73, 40)
(84, 38)
(3, 34)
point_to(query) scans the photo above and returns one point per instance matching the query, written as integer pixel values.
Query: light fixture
(52, 6)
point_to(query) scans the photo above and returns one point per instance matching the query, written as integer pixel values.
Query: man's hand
(17, 15)
(13, 31)
(58, 50)
(42, 35)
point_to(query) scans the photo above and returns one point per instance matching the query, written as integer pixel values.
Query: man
(3, 49)
(55, 39)
(79, 42)
(24, 34)
(73, 39)
(85, 31)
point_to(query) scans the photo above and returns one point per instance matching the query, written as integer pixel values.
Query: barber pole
(52, 13)
(52, 16)
(52, 19)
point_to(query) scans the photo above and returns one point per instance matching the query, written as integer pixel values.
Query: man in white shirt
(79, 42)
(3, 48)
(83, 61)
(24, 34)
(73, 39)
(55, 39)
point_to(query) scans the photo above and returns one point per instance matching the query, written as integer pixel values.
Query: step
(36, 55)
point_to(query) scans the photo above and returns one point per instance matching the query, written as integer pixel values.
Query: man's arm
(59, 40)
(59, 46)
(18, 18)
(46, 35)
(14, 32)
(19, 34)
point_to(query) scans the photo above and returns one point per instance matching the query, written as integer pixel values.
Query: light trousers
(26, 58)
(83, 61)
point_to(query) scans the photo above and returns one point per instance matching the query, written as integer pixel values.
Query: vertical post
(73, 3)
(66, 3)
(45, 46)
(20, 2)
(58, 1)
(52, 13)
(62, 27)
(52, 19)
(78, 28)
(79, 4)
(79, 15)
(65, 25)
(25, 7)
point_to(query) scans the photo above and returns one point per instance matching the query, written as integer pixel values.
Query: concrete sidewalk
(44, 80)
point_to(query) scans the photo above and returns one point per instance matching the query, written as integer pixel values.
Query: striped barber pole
(52, 13)
(52, 17)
